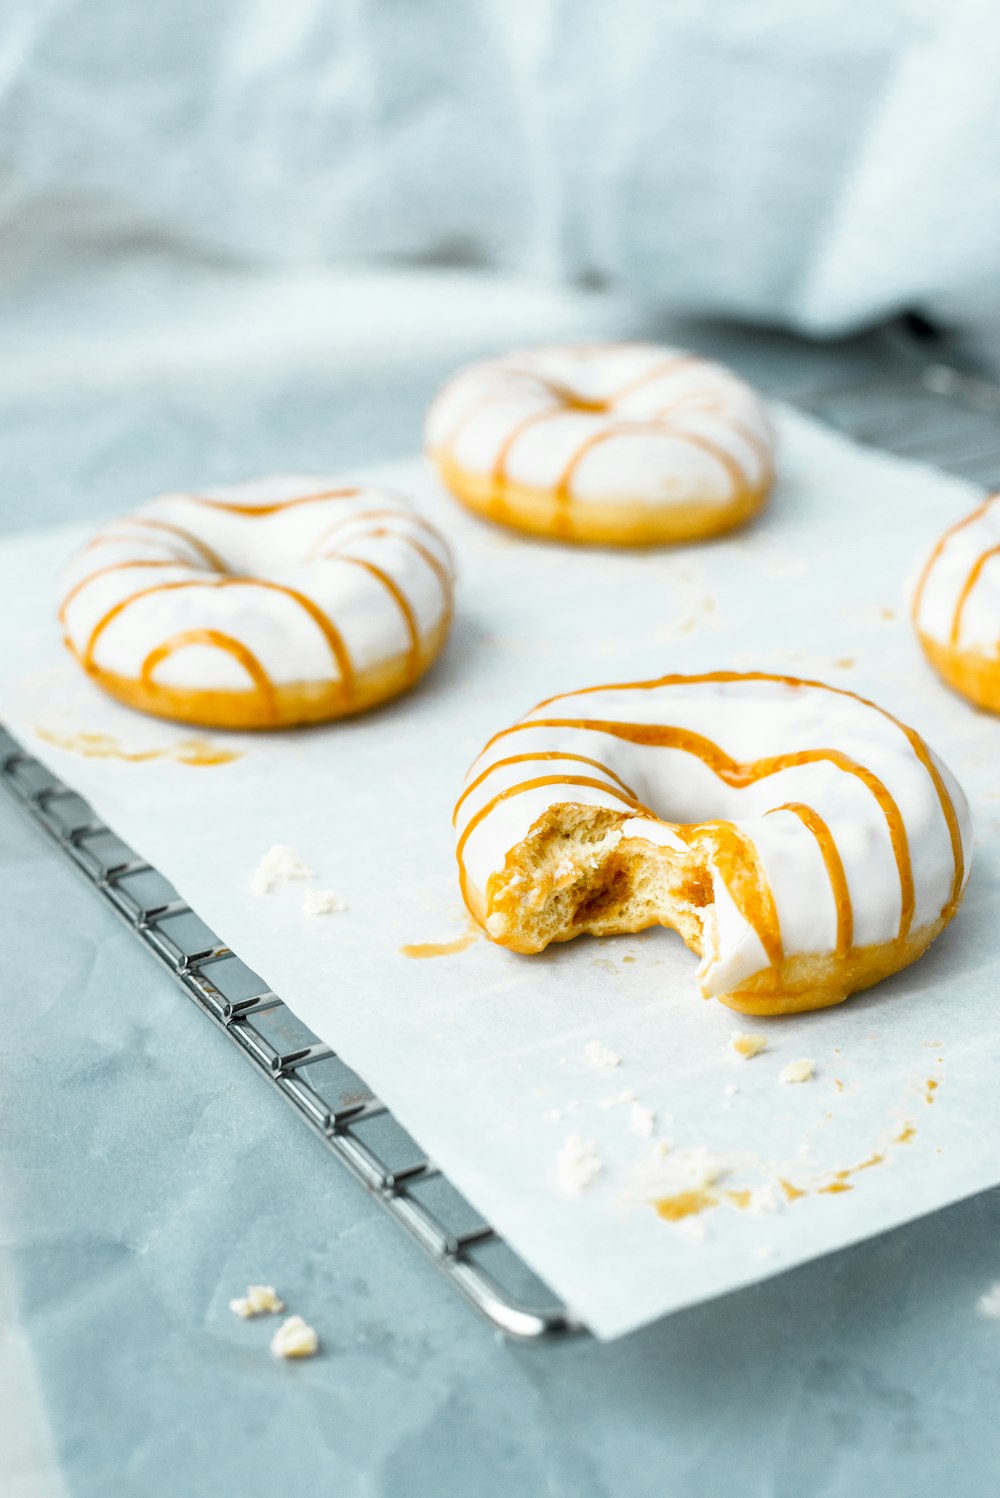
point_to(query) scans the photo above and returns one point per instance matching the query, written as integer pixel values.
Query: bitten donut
(285, 600)
(629, 444)
(956, 606)
(801, 840)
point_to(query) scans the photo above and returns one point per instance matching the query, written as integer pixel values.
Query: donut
(955, 606)
(286, 600)
(629, 444)
(801, 840)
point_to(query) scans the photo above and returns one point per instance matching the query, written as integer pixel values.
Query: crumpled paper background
(724, 159)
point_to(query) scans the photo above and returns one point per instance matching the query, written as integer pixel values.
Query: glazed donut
(956, 606)
(626, 443)
(803, 841)
(261, 605)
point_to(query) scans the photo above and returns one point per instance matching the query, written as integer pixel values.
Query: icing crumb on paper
(577, 1163)
(294, 1339)
(260, 1300)
(797, 1071)
(279, 865)
(322, 902)
(601, 1055)
(641, 1120)
(743, 1043)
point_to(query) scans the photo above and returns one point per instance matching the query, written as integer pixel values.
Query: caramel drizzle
(468, 415)
(658, 371)
(424, 552)
(246, 658)
(938, 548)
(325, 625)
(897, 833)
(567, 401)
(743, 428)
(375, 532)
(913, 738)
(967, 587)
(207, 555)
(398, 596)
(361, 517)
(531, 785)
(740, 775)
(562, 490)
(574, 401)
(498, 477)
(113, 567)
(219, 641)
(542, 754)
(234, 507)
(749, 888)
(834, 869)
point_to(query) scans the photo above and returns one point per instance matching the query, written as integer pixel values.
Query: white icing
(750, 719)
(945, 576)
(285, 548)
(660, 400)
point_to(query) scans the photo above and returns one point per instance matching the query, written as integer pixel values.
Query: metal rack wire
(932, 413)
(353, 1124)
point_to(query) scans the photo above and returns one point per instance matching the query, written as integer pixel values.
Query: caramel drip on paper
(234, 507)
(218, 641)
(739, 775)
(531, 785)
(938, 548)
(835, 872)
(543, 754)
(967, 587)
(913, 738)
(398, 596)
(422, 949)
(194, 752)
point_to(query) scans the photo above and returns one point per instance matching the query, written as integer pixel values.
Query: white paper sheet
(482, 1054)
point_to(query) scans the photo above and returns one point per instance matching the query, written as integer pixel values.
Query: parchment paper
(482, 1054)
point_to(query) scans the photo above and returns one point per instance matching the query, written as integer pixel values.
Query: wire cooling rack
(931, 413)
(353, 1124)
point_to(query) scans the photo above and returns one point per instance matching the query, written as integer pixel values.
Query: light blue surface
(146, 1175)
